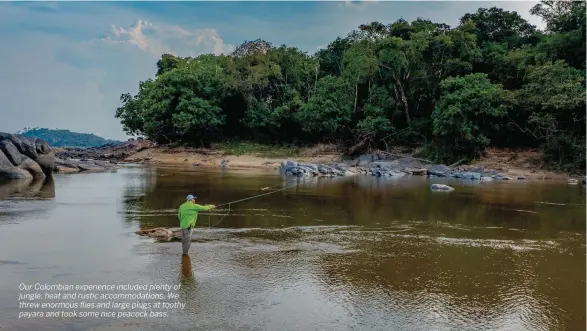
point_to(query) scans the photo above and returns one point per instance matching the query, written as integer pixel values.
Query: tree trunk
(316, 77)
(356, 94)
(400, 92)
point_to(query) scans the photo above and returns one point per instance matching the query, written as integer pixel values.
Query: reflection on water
(186, 267)
(356, 253)
(31, 188)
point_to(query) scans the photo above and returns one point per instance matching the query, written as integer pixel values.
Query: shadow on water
(30, 188)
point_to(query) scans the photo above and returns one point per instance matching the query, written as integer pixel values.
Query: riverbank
(511, 163)
(236, 156)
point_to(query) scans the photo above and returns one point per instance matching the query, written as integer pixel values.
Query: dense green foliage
(66, 138)
(493, 80)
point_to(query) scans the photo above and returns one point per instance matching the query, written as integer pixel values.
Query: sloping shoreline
(508, 164)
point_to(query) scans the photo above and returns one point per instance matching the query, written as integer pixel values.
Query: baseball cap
(189, 197)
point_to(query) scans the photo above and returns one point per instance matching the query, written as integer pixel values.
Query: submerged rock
(441, 188)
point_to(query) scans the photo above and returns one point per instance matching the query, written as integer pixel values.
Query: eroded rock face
(21, 157)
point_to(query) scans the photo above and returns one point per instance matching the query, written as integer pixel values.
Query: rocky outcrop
(22, 157)
(376, 165)
(97, 159)
(109, 152)
(72, 166)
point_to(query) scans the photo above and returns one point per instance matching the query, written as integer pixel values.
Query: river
(349, 253)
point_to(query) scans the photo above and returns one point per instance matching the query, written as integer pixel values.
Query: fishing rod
(256, 196)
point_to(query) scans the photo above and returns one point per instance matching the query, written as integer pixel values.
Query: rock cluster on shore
(108, 152)
(72, 165)
(376, 165)
(21, 157)
(103, 158)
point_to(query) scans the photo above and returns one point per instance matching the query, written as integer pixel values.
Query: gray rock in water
(521, 177)
(42, 146)
(439, 170)
(310, 166)
(366, 159)
(409, 162)
(10, 171)
(11, 152)
(386, 164)
(441, 188)
(467, 175)
(32, 167)
(382, 171)
(289, 164)
(24, 158)
(478, 170)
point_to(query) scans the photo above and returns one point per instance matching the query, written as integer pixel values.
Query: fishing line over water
(256, 196)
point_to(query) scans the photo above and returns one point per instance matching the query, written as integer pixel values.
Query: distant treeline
(493, 80)
(66, 138)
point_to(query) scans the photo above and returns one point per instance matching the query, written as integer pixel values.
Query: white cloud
(160, 39)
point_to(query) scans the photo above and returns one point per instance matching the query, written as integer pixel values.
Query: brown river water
(349, 253)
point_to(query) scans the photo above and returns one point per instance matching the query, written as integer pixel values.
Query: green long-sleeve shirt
(188, 214)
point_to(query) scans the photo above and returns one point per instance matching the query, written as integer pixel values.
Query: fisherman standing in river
(188, 215)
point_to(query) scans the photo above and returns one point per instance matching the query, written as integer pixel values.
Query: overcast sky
(64, 65)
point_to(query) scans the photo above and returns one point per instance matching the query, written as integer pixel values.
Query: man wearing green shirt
(188, 215)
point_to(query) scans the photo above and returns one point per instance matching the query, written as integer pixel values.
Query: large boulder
(21, 157)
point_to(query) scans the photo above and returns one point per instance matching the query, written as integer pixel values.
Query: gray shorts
(186, 239)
